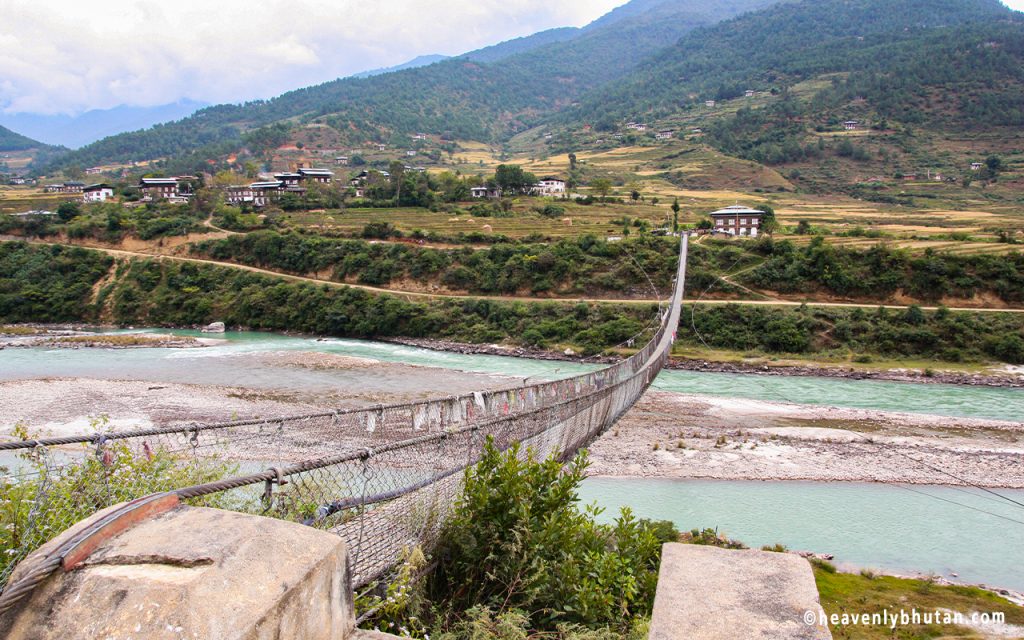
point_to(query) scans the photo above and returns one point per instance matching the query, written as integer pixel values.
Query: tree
(510, 178)
(601, 186)
(675, 216)
(69, 210)
(803, 228)
(768, 224)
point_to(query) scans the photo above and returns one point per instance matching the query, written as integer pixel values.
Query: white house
(738, 220)
(665, 135)
(484, 192)
(851, 125)
(709, 103)
(550, 187)
(97, 193)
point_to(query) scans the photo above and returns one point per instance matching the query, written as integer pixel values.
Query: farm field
(596, 219)
(20, 199)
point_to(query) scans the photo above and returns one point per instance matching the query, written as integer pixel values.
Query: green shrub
(40, 501)
(518, 540)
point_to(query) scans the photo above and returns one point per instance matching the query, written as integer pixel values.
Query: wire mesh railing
(382, 477)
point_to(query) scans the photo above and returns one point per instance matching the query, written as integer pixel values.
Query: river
(909, 529)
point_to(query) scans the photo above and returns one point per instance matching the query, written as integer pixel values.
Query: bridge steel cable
(385, 477)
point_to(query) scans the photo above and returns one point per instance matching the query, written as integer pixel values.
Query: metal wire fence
(384, 478)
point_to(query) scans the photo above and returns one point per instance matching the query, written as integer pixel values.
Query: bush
(518, 541)
(43, 501)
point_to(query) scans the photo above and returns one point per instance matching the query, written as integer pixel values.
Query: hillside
(923, 42)
(11, 141)
(462, 98)
(929, 86)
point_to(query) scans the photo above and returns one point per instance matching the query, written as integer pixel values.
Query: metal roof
(736, 209)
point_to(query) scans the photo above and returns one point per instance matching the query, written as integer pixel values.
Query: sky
(69, 56)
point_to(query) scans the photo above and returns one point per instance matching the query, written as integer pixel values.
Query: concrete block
(707, 593)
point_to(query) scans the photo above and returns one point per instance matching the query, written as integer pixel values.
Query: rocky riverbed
(673, 435)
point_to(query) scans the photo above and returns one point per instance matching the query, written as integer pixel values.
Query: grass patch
(858, 594)
(19, 330)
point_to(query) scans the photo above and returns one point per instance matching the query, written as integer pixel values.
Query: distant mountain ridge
(418, 61)
(82, 129)
(11, 141)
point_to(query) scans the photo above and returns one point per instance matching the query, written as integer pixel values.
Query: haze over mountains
(77, 130)
(646, 59)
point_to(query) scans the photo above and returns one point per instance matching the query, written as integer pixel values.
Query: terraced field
(578, 220)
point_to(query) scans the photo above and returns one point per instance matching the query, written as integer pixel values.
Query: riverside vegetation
(60, 284)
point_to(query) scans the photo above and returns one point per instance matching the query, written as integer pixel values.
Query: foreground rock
(193, 573)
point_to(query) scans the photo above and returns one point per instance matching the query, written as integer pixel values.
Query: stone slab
(199, 574)
(707, 593)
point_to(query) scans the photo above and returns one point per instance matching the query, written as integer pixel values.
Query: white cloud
(66, 56)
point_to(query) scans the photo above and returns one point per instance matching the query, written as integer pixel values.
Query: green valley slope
(463, 98)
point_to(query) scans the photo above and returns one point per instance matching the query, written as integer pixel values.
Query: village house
(289, 179)
(239, 194)
(709, 103)
(665, 135)
(341, 161)
(851, 125)
(549, 186)
(420, 136)
(18, 180)
(484, 192)
(976, 166)
(91, 171)
(153, 189)
(636, 126)
(66, 187)
(737, 220)
(97, 193)
(749, 93)
(323, 176)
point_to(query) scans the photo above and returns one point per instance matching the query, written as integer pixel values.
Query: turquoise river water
(911, 529)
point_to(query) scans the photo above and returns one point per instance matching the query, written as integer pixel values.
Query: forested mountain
(902, 57)
(11, 141)
(509, 48)
(463, 98)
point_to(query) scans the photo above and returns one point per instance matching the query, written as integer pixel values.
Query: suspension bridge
(382, 478)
